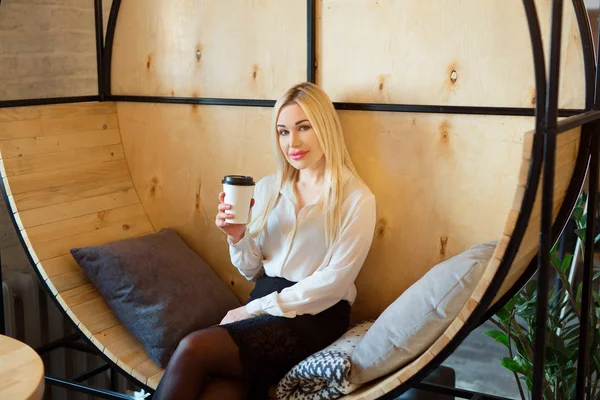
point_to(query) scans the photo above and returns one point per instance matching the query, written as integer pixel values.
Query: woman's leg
(223, 388)
(208, 352)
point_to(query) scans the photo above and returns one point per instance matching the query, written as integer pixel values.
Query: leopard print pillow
(325, 374)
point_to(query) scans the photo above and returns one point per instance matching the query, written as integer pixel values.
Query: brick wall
(47, 48)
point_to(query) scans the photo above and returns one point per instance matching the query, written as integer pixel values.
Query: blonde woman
(312, 228)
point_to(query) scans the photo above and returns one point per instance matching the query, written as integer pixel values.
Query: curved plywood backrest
(86, 174)
(69, 185)
(62, 201)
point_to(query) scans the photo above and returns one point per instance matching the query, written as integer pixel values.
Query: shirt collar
(287, 190)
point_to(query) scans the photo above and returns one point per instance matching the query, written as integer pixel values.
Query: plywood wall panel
(248, 49)
(448, 52)
(442, 182)
(178, 155)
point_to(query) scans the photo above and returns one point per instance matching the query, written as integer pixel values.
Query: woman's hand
(237, 314)
(235, 232)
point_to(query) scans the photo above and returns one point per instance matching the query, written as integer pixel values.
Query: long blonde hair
(327, 127)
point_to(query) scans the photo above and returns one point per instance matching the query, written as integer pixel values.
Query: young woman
(312, 227)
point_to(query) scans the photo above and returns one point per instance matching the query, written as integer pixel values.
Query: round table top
(21, 371)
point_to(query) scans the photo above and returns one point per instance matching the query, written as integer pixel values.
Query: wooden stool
(21, 371)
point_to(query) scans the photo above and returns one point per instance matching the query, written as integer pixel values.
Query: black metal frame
(99, 24)
(2, 321)
(47, 101)
(543, 153)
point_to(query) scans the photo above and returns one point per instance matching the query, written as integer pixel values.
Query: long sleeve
(246, 256)
(333, 280)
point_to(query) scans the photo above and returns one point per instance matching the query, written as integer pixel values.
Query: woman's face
(297, 138)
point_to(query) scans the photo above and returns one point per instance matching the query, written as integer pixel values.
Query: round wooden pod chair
(90, 173)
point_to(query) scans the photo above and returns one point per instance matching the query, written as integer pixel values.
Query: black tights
(205, 365)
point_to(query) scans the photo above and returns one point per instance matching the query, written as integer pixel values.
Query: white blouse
(294, 247)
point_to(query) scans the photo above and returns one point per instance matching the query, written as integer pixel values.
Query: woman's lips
(298, 155)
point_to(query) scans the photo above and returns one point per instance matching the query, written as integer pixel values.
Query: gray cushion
(158, 287)
(420, 315)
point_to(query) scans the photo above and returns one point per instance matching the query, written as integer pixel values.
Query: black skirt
(270, 346)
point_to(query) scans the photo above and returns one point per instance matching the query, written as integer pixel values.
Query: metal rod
(91, 373)
(597, 86)
(441, 109)
(81, 347)
(2, 322)
(547, 202)
(576, 121)
(188, 100)
(571, 277)
(588, 260)
(587, 45)
(78, 387)
(57, 343)
(408, 108)
(432, 109)
(50, 100)
(311, 17)
(450, 391)
(108, 46)
(114, 380)
(99, 46)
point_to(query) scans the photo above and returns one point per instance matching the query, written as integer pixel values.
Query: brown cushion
(158, 287)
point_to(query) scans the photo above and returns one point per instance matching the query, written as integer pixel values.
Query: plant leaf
(493, 333)
(511, 365)
(554, 258)
(498, 336)
(580, 234)
(578, 213)
(566, 263)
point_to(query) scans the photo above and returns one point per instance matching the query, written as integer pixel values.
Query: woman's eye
(304, 127)
(283, 132)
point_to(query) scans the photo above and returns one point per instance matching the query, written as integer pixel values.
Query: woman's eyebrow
(297, 123)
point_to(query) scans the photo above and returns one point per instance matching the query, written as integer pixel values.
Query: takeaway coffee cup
(239, 190)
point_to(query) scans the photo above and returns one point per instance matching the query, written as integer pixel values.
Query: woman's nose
(294, 139)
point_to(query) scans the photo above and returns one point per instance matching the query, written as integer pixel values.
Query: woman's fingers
(222, 207)
(222, 197)
(221, 223)
(223, 216)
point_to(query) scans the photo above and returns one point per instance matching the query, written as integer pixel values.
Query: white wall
(592, 4)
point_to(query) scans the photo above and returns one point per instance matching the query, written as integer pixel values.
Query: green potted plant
(516, 323)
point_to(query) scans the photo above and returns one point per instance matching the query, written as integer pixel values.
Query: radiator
(32, 317)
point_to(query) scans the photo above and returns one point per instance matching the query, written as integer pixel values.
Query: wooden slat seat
(54, 216)
(70, 186)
